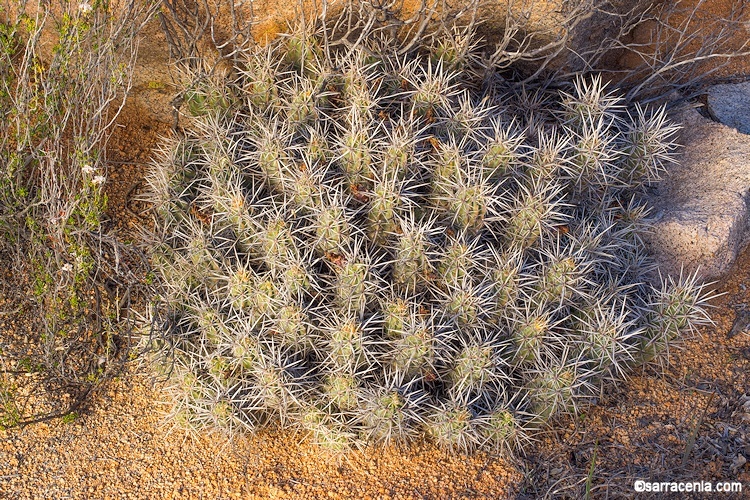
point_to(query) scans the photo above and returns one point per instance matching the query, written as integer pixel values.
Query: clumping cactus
(372, 248)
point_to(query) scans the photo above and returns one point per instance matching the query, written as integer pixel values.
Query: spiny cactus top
(373, 248)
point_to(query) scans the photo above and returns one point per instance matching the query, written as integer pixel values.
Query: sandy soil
(690, 422)
(121, 449)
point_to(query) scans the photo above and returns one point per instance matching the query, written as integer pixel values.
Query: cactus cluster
(374, 249)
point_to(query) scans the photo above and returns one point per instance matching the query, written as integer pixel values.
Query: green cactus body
(411, 265)
(413, 354)
(530, 215)
(607, 346)
(263, 298)
(205, 100)
(674, 312)
(456, 264)
(277, 245)
(430, 96)
(185, 418)
(384, 203)
(225, 176)
(301, 108)
(497, 161)
(468, 207)
(240, 287)
(346, 345)
(529, 337)
(372, 247)
(590, 103)
(245, 352)
(272, 162)
(342, 390)
(648, 148)
(220, 367)
(305, 189)
(252, 294)
(236, 209)
(463, 304)
(525, 227)
(398, 155)
(396, 316)
(448, 52)
(290, 327)
(317, 150)
(447, 172)
(260, 74)
(501, 429)
(324, 431)
(559, 281)
(332, 229)
(356, 158)
(353, 287)
(505, 286)
(473, 368)
(360, 100)
(210, 323)
(452, 427)
(637, 162)
(200, 256)
(590, 163)
(547, 160)
(389, 408)
(270, 386)
(191, 386)
(553, 392)
(262, 91)
(223, 413)
(385, 417)
(304, 52)
(296, 279)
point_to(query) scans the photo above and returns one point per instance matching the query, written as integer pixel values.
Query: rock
(730, 105)
(741, 324)
(738, 462)
(702, 208)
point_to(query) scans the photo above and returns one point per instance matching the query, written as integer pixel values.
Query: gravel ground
(122, 449)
